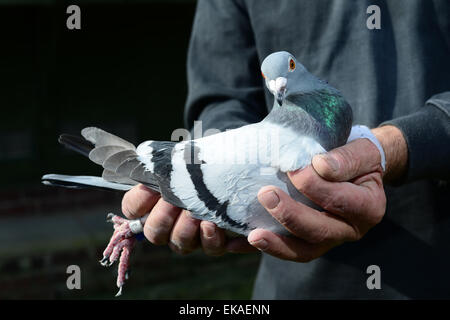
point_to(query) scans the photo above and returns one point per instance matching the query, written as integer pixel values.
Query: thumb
(352, 160)
(139, 201)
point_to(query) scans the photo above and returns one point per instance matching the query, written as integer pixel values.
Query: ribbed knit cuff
(427, 134)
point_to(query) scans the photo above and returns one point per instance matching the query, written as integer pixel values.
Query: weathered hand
(347, 183)
(170, 225)
(163, 226)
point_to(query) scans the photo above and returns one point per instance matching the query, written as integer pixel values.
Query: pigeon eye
(263, 75)
(291, 64)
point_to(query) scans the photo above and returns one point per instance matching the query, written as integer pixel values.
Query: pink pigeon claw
(118, 249)
(121, 244)
(123, 265)
(116, 220)
(121, 232)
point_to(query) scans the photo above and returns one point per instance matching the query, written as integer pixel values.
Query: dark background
(125, 72)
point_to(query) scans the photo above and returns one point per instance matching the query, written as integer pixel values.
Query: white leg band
(136, 226)
(361, 132)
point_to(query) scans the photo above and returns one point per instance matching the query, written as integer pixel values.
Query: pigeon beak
(278, 89)
(280, 97)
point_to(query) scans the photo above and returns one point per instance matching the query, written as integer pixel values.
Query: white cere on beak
(272, 86)
(278, 89)
(280, 84)
(277, 86)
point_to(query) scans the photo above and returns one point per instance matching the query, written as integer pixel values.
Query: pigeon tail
(76, 144)
(117, 156)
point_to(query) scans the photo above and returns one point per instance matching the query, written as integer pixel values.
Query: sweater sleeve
(427, 134)
(224, 82)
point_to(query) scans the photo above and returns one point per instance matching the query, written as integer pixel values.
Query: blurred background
(113, 73)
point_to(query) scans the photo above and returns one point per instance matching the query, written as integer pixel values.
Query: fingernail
(260, 244)
(175, 245)
(178, 248)
(269, 199)
(332, 162)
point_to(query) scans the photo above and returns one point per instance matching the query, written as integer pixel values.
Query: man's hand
(352, 207)
(347, 183)
(164, 219)
(170, 225)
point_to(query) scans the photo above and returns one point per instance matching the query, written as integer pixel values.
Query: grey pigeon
(217, 177)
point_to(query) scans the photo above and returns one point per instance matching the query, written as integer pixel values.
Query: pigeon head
(284, 75)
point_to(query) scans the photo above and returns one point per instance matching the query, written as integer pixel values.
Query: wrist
(395, 149)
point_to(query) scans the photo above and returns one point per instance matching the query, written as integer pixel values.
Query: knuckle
(375, 208)
(126, 209)
(185, 242)
(329, 172)
(156, 238)
(335, 202)
(303, 179)
(213, 246)
(356, 236)
(164, 226)
(328, 203)
(348, 160)
(324, 168)
(283, 215)
(187, 248)
(320, 234)
(135, 202)
(184, 239)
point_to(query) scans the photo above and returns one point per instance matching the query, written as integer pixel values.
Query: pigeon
(217, 177)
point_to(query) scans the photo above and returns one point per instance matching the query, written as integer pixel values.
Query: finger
(375, 198)
(303, 221)
(159, 224)
(287, 248)
(336, 197)
(348, 162)
(184, 237)
(138, 201)
(212, 239)
(239, 245)
(362, 201)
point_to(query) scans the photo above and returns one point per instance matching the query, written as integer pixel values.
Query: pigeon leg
(118, 248)
(116, 220)
(123, 265)
(121, 232)
(121, 243)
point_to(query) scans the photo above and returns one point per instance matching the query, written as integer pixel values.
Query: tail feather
(76, 144)
(127, 166)
(117, 156)
(115, 160)
(80, 182)
(100, 154)
(142, 175)
(100, 138)
(113, 177)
